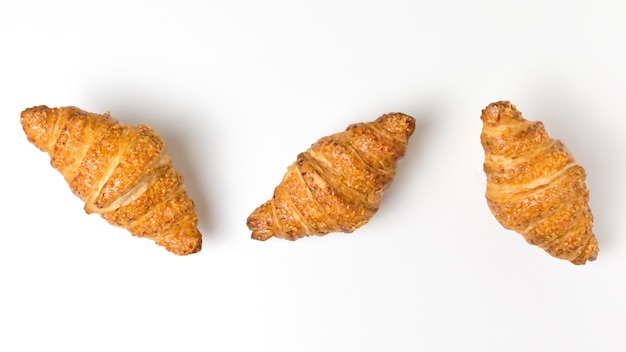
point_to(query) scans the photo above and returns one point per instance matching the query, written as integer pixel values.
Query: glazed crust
(535, 186)
(121, 172)
(337, 184)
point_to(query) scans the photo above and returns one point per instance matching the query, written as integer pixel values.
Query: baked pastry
(121, 172)
(337, 184)
(535, 186)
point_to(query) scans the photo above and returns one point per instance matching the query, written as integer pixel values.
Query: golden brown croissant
(534, 185)
(121, 172)
(337, 184)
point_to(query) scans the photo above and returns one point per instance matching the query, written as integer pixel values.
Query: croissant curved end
(398, 123)
(494, 113)
(589, 253)
(185, 242)
(36, 125)
(260, 223)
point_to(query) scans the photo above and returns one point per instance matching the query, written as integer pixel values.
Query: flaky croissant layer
(121, 172)
(535, 186)
(338, 183)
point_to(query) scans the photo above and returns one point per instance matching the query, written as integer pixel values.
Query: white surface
(237, 89)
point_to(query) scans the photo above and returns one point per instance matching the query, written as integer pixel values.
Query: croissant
(337, 184)
(535, 186)
(121, 172)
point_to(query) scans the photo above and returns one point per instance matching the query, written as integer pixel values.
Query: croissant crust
(337, 184)
(121, 172)
(535, 186)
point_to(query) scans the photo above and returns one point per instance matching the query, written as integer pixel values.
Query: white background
(237, 89)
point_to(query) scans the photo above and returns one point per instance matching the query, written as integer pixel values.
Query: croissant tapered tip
(35, 108)
(183, 242)
(261, 235)
(398, 123)
(260, 223)
(588, 254)
(500, 111)
(36, 125)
